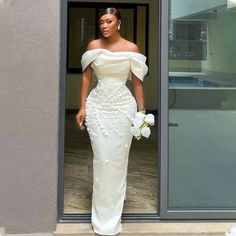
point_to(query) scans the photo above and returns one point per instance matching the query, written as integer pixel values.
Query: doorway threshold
(151, 229)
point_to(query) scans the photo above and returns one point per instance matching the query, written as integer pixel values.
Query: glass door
(200, 158)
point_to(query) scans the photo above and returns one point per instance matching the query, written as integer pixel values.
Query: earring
(118, 27)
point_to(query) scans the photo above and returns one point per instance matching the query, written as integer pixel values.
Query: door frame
(163, 105)
(83, 218)
(163, 211)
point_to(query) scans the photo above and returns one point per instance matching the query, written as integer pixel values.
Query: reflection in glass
(202, 105)
(81, 30)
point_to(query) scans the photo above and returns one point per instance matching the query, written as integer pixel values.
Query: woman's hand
(80, 117)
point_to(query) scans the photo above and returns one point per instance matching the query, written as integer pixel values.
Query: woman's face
(108, 25)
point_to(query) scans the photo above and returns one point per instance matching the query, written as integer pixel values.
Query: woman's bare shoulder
(130, 46)
(96, 43)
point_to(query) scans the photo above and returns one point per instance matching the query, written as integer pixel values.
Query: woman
(108, 112)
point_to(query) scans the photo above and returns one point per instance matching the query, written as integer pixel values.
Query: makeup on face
(108, 25)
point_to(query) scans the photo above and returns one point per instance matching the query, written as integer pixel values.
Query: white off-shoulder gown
(110, 108)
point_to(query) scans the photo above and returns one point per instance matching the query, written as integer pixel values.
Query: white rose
(138, 119)
(137, 122)
(145, 131)
(149, 119)
(140, 115)
(135, 131)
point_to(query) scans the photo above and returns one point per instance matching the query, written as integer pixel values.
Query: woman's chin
(106, 35)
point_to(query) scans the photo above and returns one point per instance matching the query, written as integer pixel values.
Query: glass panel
(81, 30)
(127, 24)
(141, 28)
(202, 105)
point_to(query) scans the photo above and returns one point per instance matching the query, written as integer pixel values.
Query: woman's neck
(113, 39)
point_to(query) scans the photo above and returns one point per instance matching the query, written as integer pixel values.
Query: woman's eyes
(108, 22)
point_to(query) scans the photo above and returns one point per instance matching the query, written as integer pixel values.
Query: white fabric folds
(137, 60)
(110, 108)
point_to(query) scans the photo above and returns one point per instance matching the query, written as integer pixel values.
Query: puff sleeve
(88, 57)
(138, 66)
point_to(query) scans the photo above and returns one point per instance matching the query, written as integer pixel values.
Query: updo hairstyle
(112, 11)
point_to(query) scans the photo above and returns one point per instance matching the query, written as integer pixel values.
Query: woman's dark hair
(112, 11)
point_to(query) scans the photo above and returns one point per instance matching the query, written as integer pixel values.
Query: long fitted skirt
(108, 123)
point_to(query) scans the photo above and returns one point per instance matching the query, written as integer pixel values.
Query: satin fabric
(110, 108)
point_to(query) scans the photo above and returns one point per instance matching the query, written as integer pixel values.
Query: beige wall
(150, 82)
(29, 69)
(221, 43)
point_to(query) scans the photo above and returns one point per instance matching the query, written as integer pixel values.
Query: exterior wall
(29, 69)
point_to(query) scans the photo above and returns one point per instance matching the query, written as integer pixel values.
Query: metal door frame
(75, 218)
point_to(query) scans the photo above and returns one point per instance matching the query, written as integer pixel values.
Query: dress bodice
(111, 99)
(115, 66)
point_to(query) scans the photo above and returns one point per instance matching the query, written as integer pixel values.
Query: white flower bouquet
(141, 123)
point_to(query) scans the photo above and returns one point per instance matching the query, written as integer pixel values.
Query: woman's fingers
(80, 121)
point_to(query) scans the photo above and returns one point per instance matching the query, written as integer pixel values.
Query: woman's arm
(138, 85)
(139, 93)
(85, 84)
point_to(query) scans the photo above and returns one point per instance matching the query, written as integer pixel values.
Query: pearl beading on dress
(109, 100)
